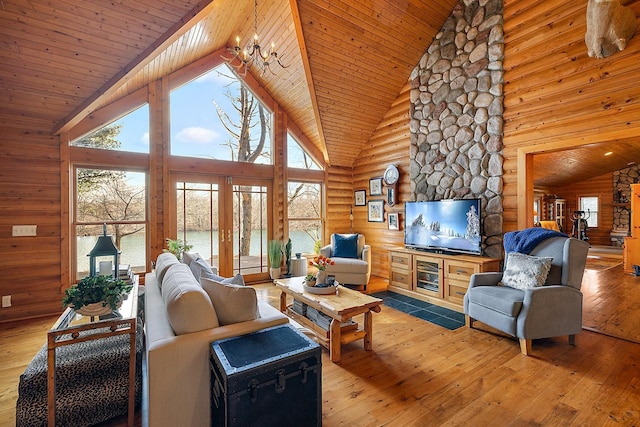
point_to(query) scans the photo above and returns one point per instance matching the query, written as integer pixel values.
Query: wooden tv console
(440, 279)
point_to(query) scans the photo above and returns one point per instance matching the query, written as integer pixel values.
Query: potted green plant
(96, 295)
(274, 249)
(177, 247)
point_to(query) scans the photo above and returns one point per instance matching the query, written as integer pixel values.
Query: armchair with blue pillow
(351, 257)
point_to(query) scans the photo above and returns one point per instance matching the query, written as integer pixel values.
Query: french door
(226, 219)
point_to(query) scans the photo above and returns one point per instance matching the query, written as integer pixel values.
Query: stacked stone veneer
(456, 115)
(621, 194)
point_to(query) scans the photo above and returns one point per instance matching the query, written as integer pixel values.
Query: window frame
(597, 212)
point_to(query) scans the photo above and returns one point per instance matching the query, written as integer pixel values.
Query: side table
(71, 328)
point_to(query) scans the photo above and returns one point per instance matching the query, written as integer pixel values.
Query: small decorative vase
(321, 277)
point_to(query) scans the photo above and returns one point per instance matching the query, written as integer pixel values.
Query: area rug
(423, 310)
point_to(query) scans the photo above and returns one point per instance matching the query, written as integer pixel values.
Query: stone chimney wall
(621, 194)
(456, 115)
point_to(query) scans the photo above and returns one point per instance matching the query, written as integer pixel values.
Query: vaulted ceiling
(347, 59)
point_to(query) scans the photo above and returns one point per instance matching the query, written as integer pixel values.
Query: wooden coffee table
(341, 307)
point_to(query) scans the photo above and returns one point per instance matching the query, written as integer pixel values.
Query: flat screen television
(447, 226)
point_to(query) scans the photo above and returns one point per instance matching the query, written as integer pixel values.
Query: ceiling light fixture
(608, 153)
(242, 59)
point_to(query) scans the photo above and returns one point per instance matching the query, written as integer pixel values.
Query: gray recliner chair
(554, 309)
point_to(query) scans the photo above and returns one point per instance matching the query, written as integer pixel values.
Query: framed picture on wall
(375, 210)
(359, 197)
(394, 221)
(375, 187)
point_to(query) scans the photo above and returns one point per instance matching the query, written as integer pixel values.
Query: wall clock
(391, 175)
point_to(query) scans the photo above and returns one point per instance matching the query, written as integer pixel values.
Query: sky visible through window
(196, 129)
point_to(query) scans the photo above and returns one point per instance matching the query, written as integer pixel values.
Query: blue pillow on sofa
(345, 245)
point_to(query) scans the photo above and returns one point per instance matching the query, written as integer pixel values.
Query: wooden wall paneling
(31, 265)
(556, 97)
(390, 144)
(339, 198)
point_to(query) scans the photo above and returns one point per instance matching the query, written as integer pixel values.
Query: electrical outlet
(24, 230)
(6, 301)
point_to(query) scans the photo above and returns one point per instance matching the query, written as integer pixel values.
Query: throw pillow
(345, 246)
(525, 271)
(235, 280)
(188, 257)
(199, 267)
(233, 303)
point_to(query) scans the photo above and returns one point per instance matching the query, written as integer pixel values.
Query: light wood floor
(420, 374)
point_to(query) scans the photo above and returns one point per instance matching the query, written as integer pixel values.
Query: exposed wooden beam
(295, 14)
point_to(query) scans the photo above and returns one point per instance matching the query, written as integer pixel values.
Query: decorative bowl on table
(320, 290)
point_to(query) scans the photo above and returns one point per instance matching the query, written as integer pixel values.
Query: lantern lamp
(104, 247)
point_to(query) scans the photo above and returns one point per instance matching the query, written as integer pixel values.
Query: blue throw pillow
(345, 246)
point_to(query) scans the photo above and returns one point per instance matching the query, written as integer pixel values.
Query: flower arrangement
(96, 289)
(321, 262)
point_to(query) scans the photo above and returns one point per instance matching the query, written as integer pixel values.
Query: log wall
(555, 95)
(389, 145)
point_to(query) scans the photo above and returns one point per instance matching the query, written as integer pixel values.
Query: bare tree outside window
(247, 136)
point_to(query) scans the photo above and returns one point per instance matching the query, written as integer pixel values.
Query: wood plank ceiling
(348, 59)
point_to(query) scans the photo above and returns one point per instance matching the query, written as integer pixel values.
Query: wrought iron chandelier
(243, 59)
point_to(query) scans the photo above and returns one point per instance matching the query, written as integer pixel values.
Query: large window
(217, 117)
(297, 157)
(118, 199)
(304, 202)
(589, 205)
(129, 133)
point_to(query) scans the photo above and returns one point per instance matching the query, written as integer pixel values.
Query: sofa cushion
(233, 303)
(502, 299)
(164, 261)
(189, 308)
(345, 246)
(525, 271)
(348, 265)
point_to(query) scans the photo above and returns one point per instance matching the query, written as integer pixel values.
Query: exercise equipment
(580, 225)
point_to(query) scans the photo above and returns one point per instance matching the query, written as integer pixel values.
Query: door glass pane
(197, 214)
(250, 228)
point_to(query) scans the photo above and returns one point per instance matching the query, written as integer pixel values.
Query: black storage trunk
(267, 378)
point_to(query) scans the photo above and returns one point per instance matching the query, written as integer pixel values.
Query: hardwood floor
(611, 303)
(420, 374)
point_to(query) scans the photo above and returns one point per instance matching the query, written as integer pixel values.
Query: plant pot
(309, 283)
(274, 273)
(94, 309)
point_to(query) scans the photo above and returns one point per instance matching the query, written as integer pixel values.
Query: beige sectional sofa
(180, 324)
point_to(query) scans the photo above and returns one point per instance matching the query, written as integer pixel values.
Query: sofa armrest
(326, 251)
(490, 278)
(366, 256)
